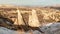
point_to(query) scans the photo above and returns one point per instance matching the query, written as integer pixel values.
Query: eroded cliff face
(45, 15)
(48, 15)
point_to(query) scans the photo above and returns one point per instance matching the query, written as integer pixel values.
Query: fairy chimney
(19, 20)
(33, 19)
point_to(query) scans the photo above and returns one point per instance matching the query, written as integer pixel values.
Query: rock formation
(33, 19)
(42, 15)
(19, 20)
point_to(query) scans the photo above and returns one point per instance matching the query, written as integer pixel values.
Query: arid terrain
(46, 15)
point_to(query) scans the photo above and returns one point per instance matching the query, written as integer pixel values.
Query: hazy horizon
(31, 2)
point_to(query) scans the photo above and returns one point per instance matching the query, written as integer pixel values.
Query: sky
(31, 2)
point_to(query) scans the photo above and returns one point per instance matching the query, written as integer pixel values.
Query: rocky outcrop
(50, 16)
(45, 15)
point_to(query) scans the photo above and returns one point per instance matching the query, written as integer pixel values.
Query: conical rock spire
(19, 20)
(33, 19)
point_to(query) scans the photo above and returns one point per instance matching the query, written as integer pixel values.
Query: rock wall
(45, 15)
